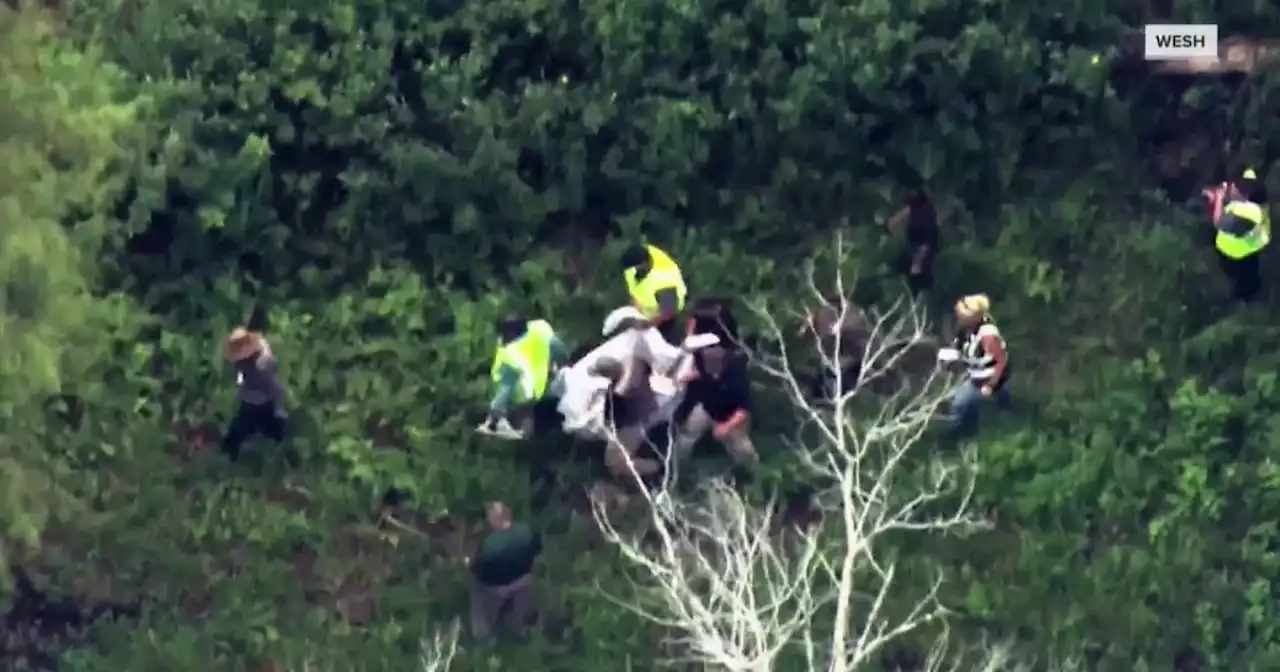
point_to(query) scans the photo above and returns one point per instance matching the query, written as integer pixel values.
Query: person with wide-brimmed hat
(260, 397)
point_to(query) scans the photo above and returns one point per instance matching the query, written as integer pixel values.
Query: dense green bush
(69, 135)
(374, 183)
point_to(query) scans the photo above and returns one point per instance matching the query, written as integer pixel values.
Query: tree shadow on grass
(39, 626)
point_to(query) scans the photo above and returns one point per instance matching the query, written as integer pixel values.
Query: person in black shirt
(922, 240)
(718, 399)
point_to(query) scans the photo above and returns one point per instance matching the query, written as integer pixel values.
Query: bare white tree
(737, 585)
(436, 653)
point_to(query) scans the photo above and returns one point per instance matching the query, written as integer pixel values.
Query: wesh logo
(1175, 42)
(1188, 41)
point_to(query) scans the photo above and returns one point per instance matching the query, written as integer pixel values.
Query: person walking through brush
(982, 351)
(260, 398)
(502, 574)
(1239, 213)
(528, 353)
(630, 402)
(842, 332)
(718, 399)
(655, 285)
(922, 240)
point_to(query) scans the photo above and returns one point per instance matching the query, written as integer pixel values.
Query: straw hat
(243, 344)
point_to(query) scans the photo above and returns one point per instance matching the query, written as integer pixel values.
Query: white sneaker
(501, 429)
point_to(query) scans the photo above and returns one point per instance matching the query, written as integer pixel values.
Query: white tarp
(583, 395)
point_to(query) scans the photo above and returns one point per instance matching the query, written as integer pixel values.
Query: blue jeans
(966, 402)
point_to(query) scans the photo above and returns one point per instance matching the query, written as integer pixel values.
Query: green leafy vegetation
(373, 184)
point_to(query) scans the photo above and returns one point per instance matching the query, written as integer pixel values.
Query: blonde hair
(973, 305)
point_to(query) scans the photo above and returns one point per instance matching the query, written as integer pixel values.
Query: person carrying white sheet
(624, 387)
(523, 368)
(629, 403)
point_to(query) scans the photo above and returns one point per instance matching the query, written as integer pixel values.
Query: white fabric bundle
(582, 402)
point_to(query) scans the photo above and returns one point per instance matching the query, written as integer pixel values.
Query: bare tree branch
(436, 653)
(738, 585)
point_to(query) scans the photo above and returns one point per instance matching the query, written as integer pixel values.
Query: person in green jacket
(502, 574)
(523, 371)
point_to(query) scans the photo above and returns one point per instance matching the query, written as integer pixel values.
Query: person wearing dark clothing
(260, 398)
(712, 316)
(1244, 274)
(922, 240)
(842, 331)
(502, 574)
(718, 399)
(630, 402)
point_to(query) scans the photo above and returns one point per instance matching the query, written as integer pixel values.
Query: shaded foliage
(374, 183)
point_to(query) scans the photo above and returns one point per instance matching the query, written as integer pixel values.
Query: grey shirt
(1236, 226)
(257, 383)
(668, 301)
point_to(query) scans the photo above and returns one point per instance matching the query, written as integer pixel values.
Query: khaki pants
(737, 443)
(491, 605)
(620, 456)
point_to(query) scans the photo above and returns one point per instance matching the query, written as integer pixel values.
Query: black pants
(250, 420)
(920, 281)
(1245, 275)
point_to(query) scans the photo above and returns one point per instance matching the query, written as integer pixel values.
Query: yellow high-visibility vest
(665, 274)
(1239, 247)
(531, 356)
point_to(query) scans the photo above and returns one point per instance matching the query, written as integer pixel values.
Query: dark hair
(1252, 190)
(512, 327)
(917, 197)
(707, 306)
(636, 255)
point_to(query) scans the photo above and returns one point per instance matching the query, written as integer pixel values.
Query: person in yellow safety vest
(528, 353)
(1239, 214)
(656, 286)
